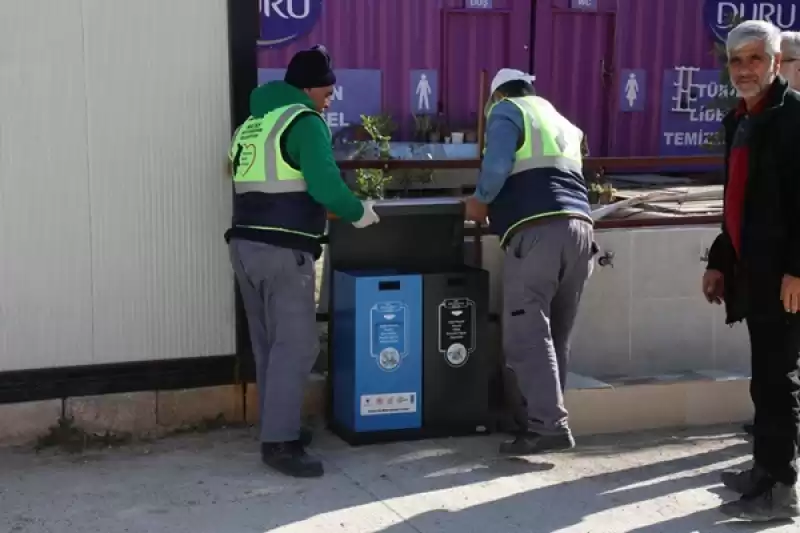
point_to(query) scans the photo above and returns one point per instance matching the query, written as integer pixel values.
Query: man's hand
(714, 286)
(369, 217)
(475, 210)
(790, 293)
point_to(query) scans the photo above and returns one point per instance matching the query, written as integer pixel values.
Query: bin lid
(414, 234)
(420, 206)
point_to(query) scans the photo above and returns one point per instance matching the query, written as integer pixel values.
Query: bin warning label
(388, 335)
(456, 330)
(388, 404)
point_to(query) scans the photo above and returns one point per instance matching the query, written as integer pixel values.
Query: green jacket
(308, 145)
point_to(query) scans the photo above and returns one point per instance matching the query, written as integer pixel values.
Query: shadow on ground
(548, 511)
(214, 482)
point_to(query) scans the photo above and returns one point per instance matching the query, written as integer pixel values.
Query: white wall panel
(159, 125)
(114, 122)
(45, 250)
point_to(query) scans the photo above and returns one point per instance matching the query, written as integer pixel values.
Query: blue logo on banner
(718, 14)
(283, 21)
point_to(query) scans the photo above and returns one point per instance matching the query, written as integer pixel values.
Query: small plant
(420, 175)
(423, 125)
(371, 182)
(73, 439)
(600, 189)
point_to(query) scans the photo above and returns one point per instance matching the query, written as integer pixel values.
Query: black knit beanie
(310, 68)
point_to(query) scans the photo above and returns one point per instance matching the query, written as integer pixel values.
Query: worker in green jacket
(285, 179)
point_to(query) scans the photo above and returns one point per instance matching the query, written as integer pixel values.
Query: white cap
(505, 75)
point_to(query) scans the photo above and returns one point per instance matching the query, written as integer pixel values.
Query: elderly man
(532, 188)
(790, 70)
(754, 264)
(790, 58)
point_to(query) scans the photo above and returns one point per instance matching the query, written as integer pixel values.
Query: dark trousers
(775, 389)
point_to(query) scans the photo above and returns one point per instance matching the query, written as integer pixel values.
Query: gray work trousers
(545, 269)
(277, 287)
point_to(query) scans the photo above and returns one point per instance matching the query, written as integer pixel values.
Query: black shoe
(306, 436)
(291, 459)
(778, 502)
(533, 443)
(744, 481)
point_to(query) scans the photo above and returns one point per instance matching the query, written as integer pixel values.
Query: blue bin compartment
(376, 355)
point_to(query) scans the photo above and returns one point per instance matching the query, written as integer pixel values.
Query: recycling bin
(376, 356)
(456, 353)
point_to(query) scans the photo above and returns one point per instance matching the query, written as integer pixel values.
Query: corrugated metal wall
(398, 36)
(113, 200)
(573, 56)
(579, 57)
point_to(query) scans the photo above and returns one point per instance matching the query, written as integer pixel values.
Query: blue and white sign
(478, 4)
(388, 334)
(585, 5)
(688, 117)
(424, 91)
(718, 14)
(632, 89)
(357, 92)
(284, 21)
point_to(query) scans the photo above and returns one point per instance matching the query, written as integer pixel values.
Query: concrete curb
(595, 406)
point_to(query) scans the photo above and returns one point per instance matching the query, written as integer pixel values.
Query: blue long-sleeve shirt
(504, 131)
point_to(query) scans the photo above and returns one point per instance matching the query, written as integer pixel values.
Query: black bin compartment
(455, 351)
(414, 235)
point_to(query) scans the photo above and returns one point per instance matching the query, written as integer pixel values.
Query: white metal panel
(114, 123)
(45, 253)
(159, 127)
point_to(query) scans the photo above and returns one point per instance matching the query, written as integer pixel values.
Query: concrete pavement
(213, 483)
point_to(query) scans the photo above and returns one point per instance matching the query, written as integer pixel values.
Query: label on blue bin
(388, 404)
(456, 330)
(388, 334)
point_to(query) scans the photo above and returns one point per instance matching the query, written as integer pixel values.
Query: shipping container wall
(393, 39)
(113, 202)
(605, 69)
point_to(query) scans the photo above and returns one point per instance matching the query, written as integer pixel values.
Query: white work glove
(369, 217)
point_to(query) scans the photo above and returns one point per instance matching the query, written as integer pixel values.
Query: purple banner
(357, 92)
(689, 115)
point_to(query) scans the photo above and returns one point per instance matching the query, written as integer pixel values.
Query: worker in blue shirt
(531, 189)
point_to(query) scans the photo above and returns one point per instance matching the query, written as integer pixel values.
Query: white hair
(790, 44)
(755, 30)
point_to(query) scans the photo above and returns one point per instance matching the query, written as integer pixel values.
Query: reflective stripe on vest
(258, 165)
(551, 141)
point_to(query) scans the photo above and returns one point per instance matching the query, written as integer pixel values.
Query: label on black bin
(456, 330)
